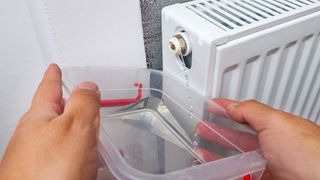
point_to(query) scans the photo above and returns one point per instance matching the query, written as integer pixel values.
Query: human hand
(53, 140)
(290, 144)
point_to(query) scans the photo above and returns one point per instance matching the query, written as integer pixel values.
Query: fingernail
(88, 86)
(53, 68)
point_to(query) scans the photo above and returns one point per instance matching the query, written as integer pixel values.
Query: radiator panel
(279, 67)
(234, 14)
(285, 77)
(243, 49)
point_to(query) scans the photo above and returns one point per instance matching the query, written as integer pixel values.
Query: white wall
(21, 65)
(68, 32)
(95, 32)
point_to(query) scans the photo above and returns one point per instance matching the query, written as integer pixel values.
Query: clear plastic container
(154, 126)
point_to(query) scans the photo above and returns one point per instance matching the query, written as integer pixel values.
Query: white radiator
(268, 50)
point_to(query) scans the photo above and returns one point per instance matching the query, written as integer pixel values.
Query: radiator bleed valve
(180, 45)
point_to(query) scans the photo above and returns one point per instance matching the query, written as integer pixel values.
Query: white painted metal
(242, 49)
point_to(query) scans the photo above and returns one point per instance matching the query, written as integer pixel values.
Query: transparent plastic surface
(155, 127)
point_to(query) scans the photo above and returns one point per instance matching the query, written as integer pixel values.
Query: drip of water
(195, 143)
(187, 82)
(196, 162)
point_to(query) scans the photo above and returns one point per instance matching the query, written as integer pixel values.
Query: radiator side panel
(279, 66)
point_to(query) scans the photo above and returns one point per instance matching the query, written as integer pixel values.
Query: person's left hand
(53, 140)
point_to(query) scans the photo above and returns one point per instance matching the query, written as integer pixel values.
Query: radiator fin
(269, 71)
(232, 14)
(231, 81)
(280, 78)
(312, 82)
(296, 74)
(251, 68)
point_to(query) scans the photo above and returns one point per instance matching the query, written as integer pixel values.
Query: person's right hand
(290, 144)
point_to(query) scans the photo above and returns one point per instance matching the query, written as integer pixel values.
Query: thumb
(259, 116)
(84, 102)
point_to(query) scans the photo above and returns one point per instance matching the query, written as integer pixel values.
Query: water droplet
(195, 143)
(188, 91)
(196, 162)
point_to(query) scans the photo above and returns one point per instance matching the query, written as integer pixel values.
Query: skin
(290, 144)
(54, 140)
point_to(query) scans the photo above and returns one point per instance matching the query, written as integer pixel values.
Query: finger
(224, 102)
(256, 114)
(104, 173)
(206, 155)
(228, 138)
(62, 103)
(267, 174)
(121, 152)
(49, 92)
(84, 103)
(217, 109)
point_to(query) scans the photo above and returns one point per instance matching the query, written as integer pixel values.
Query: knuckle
(68, 118)
(85, 95)
(83, 102)
(53, 107)
(250, 102)
(22, 123)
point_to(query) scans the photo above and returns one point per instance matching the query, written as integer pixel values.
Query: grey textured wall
(151, 21)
